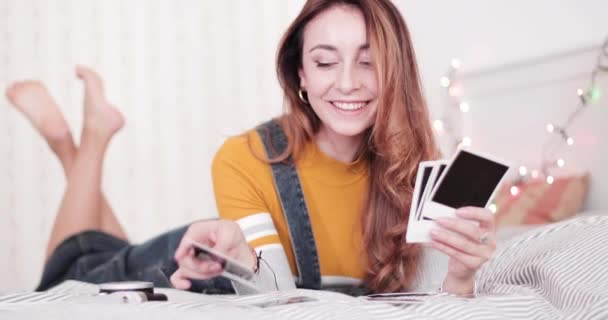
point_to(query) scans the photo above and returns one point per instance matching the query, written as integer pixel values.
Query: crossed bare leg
(83, 207)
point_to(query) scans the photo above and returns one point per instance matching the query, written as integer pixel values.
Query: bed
(550, 272)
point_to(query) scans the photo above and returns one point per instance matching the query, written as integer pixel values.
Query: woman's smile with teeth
(349, 106)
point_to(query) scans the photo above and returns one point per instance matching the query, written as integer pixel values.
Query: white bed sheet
(548, 272)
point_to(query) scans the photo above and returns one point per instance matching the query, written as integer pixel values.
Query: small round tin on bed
(145, 289)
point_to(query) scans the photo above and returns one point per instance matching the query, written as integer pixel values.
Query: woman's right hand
(223, 235)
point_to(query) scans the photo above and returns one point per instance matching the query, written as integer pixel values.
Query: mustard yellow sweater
(333, 190)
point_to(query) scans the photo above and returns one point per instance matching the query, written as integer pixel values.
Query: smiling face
(337, 71)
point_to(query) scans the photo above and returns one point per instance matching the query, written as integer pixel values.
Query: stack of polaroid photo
(468, 179)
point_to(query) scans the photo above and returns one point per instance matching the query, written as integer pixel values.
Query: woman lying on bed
(322, 192)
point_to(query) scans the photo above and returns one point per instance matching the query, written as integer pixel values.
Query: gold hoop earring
(301, 95)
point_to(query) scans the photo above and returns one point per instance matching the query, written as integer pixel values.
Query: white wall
(510, 108)
(522, 63)
(187, 74)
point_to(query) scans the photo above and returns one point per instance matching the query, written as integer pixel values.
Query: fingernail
(434, 233)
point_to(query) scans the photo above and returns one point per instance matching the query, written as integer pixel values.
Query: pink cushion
(539, 202)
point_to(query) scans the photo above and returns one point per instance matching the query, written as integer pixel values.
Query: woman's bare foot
(34, 101)
(100, 117)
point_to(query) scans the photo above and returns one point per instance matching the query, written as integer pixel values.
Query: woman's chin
(348, 129)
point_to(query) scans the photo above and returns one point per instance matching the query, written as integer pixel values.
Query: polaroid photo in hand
(438, 169)
(470, 179)
(231, 268)
(423, 175)
(417, 230)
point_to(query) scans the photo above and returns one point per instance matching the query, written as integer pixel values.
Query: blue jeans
(98, 257)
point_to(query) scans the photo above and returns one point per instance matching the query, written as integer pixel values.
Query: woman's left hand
(469, 245)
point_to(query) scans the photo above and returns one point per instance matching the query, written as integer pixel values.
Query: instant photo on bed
(470, 179)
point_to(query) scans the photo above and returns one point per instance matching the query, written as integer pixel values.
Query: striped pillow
(539, 202)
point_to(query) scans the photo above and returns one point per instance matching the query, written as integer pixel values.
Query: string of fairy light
(549, 157)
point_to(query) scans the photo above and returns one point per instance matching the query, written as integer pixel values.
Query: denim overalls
(97, 257)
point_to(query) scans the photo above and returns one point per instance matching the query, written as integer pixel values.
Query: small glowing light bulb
(466, 142)
(455, 91)
(595, 94)
(570, 141)
(561, 162)
(550, 128)
(464, 106)
(534, 174)
(445, 81)
(438, 125)
(523, 171)
(580, 92)
(514, 191)
(550, 179)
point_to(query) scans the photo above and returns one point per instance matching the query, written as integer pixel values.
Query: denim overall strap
(288, 187)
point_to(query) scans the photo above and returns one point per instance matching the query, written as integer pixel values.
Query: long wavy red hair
(399, 139)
